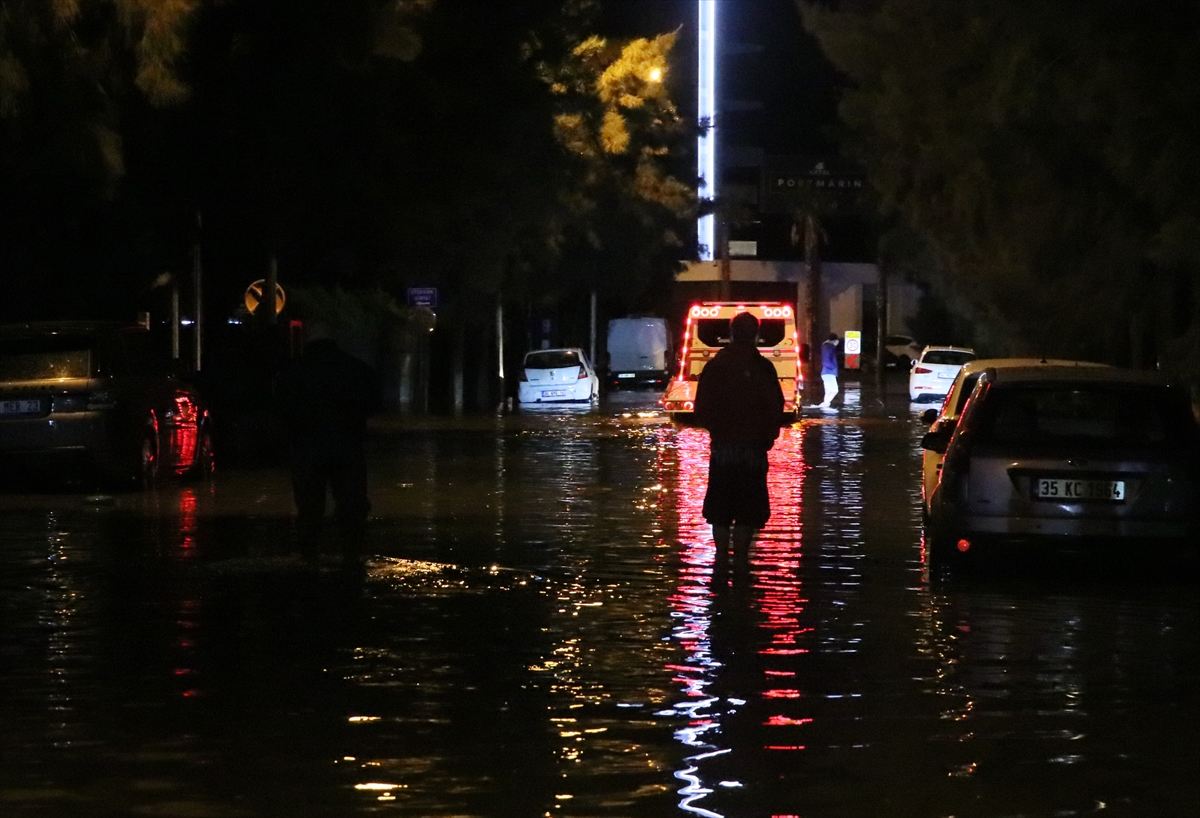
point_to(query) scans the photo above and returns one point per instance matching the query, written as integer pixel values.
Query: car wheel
(943, 555)
(148, 457)
(203, 463)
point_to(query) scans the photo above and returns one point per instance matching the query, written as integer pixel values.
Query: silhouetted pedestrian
(740, 403)
(325, 396)
(829, 369)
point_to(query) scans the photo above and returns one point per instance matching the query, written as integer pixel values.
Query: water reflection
(738, 642)
(538, 634)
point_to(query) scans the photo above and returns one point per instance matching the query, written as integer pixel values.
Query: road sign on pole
(254, 296)
(853, 348)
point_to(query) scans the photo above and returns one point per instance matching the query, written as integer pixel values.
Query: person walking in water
(740, 403)
(325, 396)
(829, 369)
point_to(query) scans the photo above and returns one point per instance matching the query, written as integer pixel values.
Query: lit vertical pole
(706, 143)
(197, 284)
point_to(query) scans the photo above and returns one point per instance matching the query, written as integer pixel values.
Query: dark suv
(1067, 454)
(97, 398)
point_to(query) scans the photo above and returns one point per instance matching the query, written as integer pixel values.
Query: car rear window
(714, 332)
(947, 356)
(50, 358)
(551, 359)
(1099, 414)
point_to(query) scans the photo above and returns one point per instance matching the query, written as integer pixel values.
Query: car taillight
(582, 374)
(524, 377)
(920, 370)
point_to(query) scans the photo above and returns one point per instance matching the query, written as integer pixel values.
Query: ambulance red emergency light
(706, 331)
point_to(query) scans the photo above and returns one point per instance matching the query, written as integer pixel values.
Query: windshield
(551, 359)
(1096, 414)
(952, 357)
(46, 358)
(714, 332)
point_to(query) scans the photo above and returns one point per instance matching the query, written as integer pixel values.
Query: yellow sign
(254, 294)
(853, 342)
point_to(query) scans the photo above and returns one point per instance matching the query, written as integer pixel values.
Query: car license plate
(1076, 490)
(554, 393)
(27, 406)
(624, 374)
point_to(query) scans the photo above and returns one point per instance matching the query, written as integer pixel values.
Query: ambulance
(706, 331)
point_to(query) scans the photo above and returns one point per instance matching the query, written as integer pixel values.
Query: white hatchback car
(557, 376)
(934, 371)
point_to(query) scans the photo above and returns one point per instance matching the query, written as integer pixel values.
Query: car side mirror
(936, 441)
(929, 416)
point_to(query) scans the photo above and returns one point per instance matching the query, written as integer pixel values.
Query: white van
(638, 353)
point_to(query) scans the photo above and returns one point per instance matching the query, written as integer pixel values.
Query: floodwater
(536, 634)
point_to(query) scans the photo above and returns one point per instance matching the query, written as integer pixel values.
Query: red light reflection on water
(186, 607)
(771, 603)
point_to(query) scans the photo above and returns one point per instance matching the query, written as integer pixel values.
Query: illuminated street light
(706, 143)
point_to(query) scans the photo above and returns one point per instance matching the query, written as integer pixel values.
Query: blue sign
(422, 297)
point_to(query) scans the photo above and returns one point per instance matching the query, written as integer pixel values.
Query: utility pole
(593, 347)
(726, 291)
(881, 328)
(266, 307)
(198, 288)
(500, 350)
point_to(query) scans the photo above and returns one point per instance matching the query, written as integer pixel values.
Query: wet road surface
(536, 634)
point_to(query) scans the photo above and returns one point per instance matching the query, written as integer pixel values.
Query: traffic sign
(852, 346)
(423, 297)
(254, 296)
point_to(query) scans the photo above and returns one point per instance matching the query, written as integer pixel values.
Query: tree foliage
(1044, 150)
(615, 118)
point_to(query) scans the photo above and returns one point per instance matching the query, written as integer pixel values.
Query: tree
(1037, 148)
(615, 118)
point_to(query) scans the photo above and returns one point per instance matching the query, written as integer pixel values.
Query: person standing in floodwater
(325, 397)
(829, 369)
(740, 403)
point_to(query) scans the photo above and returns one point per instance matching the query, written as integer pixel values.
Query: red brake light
(920, 370)
(582, 374)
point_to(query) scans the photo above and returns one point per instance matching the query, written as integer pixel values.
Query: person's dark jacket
(738, 397)
(326, 395)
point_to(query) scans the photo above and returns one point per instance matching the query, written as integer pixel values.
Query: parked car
(99, 399)
(900, 351)
(557, 376)
(943, 420)
(934, 371)
(1053, 454)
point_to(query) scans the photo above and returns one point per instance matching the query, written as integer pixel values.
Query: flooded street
(537, 635)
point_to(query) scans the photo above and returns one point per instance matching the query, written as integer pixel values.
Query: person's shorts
(737, 486)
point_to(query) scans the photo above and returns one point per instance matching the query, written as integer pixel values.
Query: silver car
(1066, 454)
(944, 419)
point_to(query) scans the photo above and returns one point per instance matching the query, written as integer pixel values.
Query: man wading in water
(740, 403)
